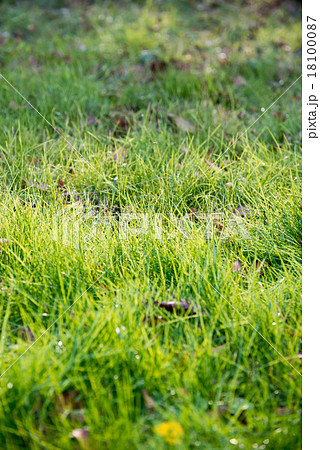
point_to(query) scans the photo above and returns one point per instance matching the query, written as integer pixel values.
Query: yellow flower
(172, 432)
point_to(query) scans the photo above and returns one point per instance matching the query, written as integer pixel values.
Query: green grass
(107, 76)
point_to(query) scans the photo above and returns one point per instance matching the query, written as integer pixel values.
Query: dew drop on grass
(274, 323)
(60, 343)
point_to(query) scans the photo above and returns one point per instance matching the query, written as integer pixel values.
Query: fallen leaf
(82, 436)
(61, 184)
(26, 334)
(236, 266)
(158, 66)
(122, 125)
(194, 211)
(34, 160)
(239, 81)
(181, 123)
(243, 211)
(119, 155)
(91, 120)
(213, 166)
(148, 400)
(180, 65)
(172, 306)
(40, 186)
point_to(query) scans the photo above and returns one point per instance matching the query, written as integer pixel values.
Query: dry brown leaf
(181, 123)
(213, 166)
(239, 81)
(236, 266)
(119, 155)
(148, 400)
(82, 436)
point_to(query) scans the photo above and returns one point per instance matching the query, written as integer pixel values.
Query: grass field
(188, 341)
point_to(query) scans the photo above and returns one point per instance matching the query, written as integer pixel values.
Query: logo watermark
(76, 225)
